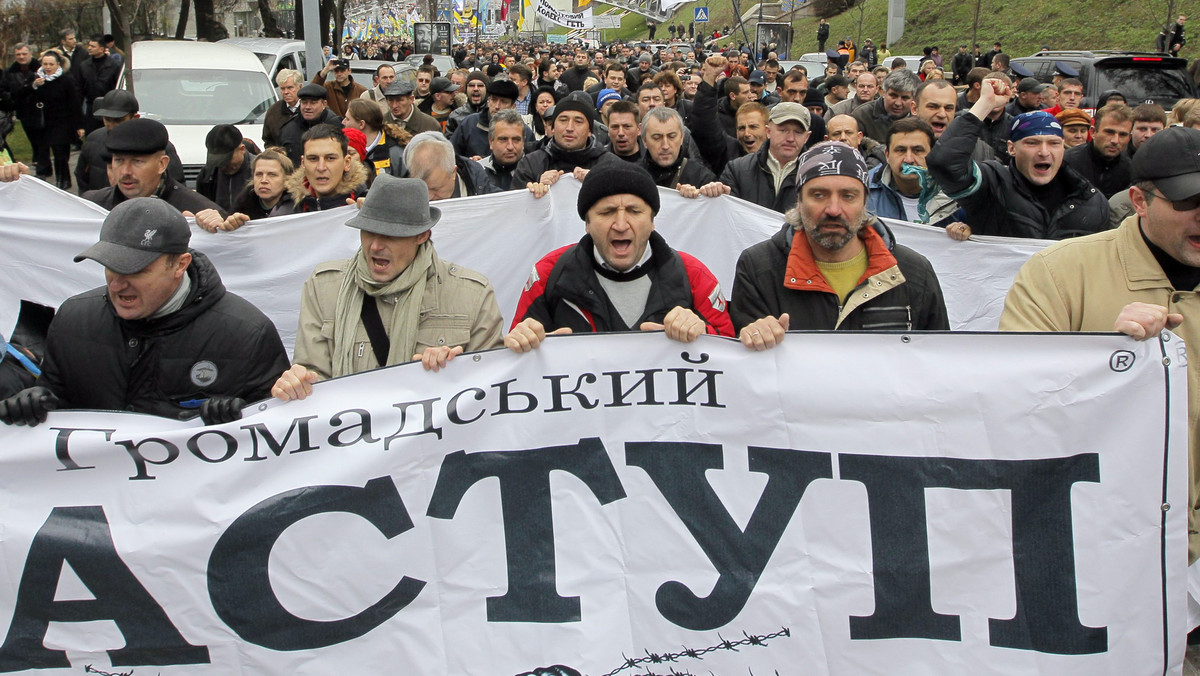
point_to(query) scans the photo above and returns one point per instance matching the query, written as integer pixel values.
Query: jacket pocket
(887, 318)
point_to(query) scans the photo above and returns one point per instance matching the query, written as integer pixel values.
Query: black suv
(1142, 77)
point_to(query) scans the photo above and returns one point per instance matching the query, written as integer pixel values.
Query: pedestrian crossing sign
(701, 14)
(443, 15)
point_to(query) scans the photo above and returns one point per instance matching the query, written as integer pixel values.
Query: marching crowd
(1000, 154)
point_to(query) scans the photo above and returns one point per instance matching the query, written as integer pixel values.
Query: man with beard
(1034, 197)
(506, 138)
(1103, 160)
(832, 265)
(477, 86)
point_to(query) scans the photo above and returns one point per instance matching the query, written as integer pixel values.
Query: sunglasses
(1188, 204)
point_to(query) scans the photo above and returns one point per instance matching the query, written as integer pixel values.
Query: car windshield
(209, 97)
(1140, 84)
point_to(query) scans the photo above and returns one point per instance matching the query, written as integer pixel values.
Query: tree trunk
(299, 18)
(339, 21)
(120, 32)
(975, 26)
(270, 26)
(324, 14)
(207, 26)
(181, 27)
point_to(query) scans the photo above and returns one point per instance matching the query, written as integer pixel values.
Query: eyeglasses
(1188, 204)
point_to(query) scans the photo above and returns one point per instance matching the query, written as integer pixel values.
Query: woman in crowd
(269, 173)
(543, 100)
(53, 117)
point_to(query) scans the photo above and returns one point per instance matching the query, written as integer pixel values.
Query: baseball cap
(1170, 160)
(222, 141)
(758, 77)
(1031, 84)
(782, 112)
(136, 232)
(116, 103)
(442, 84)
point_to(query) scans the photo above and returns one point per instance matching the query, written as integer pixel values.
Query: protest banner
(570, 20)
(624, 504)
(502, 236)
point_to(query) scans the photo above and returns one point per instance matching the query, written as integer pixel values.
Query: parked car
(275, 54)
(1143, 77)
(193, 86)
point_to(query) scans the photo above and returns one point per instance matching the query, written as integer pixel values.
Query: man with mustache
(833, 265)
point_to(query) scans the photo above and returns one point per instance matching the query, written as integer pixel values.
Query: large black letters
(1047, 617)
(528, 521)
(240, 586)
(677, 468)
(80, 536)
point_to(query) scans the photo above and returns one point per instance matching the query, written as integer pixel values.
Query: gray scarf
(409, 287)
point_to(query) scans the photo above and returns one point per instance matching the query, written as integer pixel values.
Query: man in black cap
(139, 167)
(621, 275)
(91, 170)
(314, 110)
(227, 168)
(163, 336)
(572, 146)
(343, 89)
(1028, 98)
(833, 265)
(394, 301)
(1138, 279)
(470, 139)
(440, 102)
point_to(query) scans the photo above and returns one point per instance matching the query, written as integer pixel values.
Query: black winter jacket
(216, 344)
(175, 193)
(550, 156)
(999, 200)
(685, 170)
(750, 179)
(912, 304)
(293, 130)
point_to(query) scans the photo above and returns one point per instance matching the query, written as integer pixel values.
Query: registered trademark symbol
(1121, 361)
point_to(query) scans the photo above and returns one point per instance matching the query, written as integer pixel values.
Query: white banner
(912, 502)
(550, 12)
(501, 236)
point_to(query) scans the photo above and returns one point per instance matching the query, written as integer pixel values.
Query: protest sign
(502, 236)
(843, 504)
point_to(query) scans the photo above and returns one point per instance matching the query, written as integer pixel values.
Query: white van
(275, 54)
(193, 86)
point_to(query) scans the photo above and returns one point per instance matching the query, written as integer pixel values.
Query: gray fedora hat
(396, 207)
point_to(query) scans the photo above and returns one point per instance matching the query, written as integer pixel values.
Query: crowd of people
(1000, 154)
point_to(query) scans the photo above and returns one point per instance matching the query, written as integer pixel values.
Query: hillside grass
(1022, 28)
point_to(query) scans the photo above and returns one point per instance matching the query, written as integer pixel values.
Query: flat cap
(139, 136)
(313, 91)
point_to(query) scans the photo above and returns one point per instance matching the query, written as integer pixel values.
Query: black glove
(217, 410)
(28, 407)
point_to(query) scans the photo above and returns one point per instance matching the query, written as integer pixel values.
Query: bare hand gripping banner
(625, 504)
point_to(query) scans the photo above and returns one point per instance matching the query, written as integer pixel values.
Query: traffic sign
(443, 15)
(700, 14)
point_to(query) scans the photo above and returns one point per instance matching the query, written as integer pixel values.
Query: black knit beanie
(617, 178)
